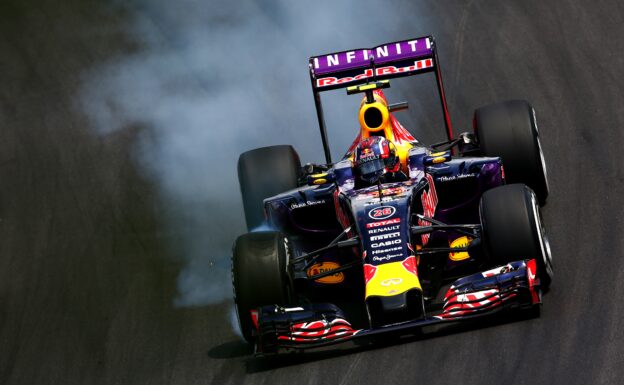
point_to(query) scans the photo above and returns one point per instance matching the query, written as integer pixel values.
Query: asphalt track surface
(86, 290)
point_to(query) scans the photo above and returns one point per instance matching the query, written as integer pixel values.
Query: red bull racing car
(396, 235)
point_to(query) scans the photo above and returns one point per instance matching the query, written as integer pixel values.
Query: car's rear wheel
(513, 229)
(259, 277)
(509, 130)
(265, 172)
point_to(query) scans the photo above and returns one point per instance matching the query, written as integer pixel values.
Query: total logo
(382, 212)
(383, 223)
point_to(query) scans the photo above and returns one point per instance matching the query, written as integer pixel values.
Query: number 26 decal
(381, 212)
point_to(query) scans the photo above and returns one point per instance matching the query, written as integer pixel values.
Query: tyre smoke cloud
(209, 80)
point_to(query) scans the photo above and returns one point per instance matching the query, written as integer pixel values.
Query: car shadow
(231, 349)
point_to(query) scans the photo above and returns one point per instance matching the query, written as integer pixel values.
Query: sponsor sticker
(306, 204)
(385, 236)
(388, 191)
(386, 257)
(384, 229)
(458, 243)
(386, 243)
(456, 177)
(391, 281)
(383, 223)
(381, 212)
(357, 58)
(367, 153)
(323, 267)
(377, 200)
(383, 251)
(381, 71)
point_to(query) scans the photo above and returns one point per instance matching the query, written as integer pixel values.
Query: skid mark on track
(459, 41)
(351, 368)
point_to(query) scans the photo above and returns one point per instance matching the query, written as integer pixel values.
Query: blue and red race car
(396, 235)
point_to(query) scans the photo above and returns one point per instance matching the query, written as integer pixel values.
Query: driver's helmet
(374, 156)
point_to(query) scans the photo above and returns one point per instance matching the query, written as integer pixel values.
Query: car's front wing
(511, 286)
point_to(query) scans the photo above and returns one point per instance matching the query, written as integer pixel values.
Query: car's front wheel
(513, 229)
(259, 275)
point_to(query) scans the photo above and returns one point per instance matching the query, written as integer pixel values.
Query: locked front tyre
(259, 263)
(513, 229)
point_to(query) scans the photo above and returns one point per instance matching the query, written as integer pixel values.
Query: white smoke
(208, 80)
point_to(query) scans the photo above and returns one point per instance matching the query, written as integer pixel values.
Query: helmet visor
(371, 169)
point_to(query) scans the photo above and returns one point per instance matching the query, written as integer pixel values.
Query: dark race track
(87, 284)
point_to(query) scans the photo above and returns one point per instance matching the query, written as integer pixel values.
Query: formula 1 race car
(396, 235)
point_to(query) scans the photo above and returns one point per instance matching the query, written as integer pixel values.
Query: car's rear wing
(342, 69)
(387, 61)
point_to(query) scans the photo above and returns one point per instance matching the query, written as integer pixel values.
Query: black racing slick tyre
(512, 229)
(509, 130)
(265, 172)
(259, 276)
